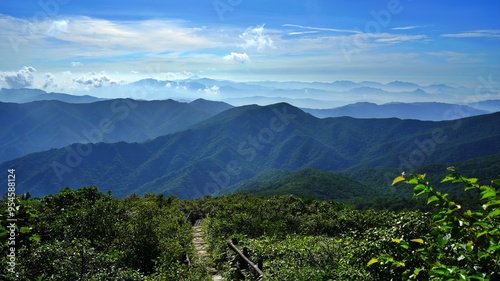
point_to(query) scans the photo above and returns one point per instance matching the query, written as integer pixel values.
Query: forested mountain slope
(37, 126)
(238, 143)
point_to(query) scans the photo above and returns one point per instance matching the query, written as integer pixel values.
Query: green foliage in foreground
(300, 239)
(461, 244)
(86, 235)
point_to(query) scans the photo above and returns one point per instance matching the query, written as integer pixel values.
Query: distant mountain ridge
(487, 105)
(30, 95)
(241, 142)
(42, 125)
(426, 111)
(321, 95)
(313, 95)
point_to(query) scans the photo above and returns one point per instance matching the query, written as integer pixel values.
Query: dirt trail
(201, 249)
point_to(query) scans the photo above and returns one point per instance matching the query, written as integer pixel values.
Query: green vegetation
(461, 244)
(308, 239)
(307, 183)
(87, 235)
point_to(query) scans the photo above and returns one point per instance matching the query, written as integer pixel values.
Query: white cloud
(237, 57)
(302, 32)
(408, 27)
(49, 83)
(148, 35)
(178, 75)
(93, 37)
(214, 90)
(57, 27)
(323, 41)
(256, 38)
(474, 34)
(94, 80)
(20, 79)
(454, 57)
(76, 63)
(312, 28)
(396, 38)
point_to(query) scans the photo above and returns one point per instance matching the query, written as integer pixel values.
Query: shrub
(461, 245)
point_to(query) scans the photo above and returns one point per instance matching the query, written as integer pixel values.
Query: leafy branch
(462, 245)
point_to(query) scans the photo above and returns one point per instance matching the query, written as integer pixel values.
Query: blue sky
(59, 45)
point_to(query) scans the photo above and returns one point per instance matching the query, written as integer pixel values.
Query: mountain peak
(419, 92)
(401, 83)
(251, 113)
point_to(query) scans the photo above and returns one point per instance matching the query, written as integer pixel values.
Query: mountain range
(58, 120)
(321, 95)
(430, 111)
(318, 95)
(42, 125)
(29, 95)
(238, 143)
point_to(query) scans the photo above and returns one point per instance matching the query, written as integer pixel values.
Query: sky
(67, 45)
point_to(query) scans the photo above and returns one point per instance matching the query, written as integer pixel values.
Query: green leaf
(396, 240)
(482, 254)
(398, 179)
(493, 248)
(481, 233)
(372, 261)
(419, 190)
(452, 205)
(462, 179)
(25, 229)
(413, 180)
(417, 271)
(497, 181)
(488, 193)
(492, 203)
(469, 187)
(439, 270)
(447, 227)
(448, 178)
(483, 224)
(441, 241)
(35, 238)
(439, 217)
(472, 180)
(478, 276)
(3, 231)
(432, 199)
(494, 213)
